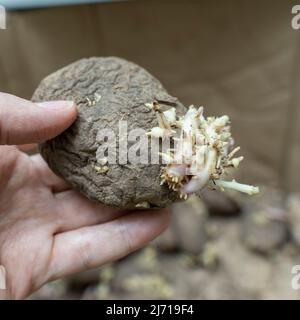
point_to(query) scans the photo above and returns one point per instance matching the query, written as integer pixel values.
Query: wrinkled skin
(47, 230)
(124, 88)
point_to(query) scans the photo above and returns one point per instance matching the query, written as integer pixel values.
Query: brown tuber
(119, 98)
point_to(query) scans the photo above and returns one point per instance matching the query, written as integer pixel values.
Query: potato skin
(122, 88)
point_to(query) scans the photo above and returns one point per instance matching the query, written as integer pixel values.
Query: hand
(47, 230)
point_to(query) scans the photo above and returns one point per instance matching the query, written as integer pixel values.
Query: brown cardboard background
(235, 57)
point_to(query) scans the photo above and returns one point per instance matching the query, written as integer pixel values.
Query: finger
(47, 176)
(28, 148)
(76, 211)
(22, 121)
(91, 247)
(8, 164)
(72, 210)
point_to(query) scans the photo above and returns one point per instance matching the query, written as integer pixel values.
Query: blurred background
(235, 57)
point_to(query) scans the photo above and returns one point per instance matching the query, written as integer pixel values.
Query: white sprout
(237, 186)
(202, 154)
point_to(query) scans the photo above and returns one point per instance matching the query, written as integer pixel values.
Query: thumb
(22, 121)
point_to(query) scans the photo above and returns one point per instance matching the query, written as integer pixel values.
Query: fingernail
(56, 104)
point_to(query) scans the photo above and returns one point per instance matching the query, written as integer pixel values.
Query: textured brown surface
(124, 89)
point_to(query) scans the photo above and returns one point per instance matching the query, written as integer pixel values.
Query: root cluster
(203, 151)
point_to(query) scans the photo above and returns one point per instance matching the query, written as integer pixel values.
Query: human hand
(47, 230)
